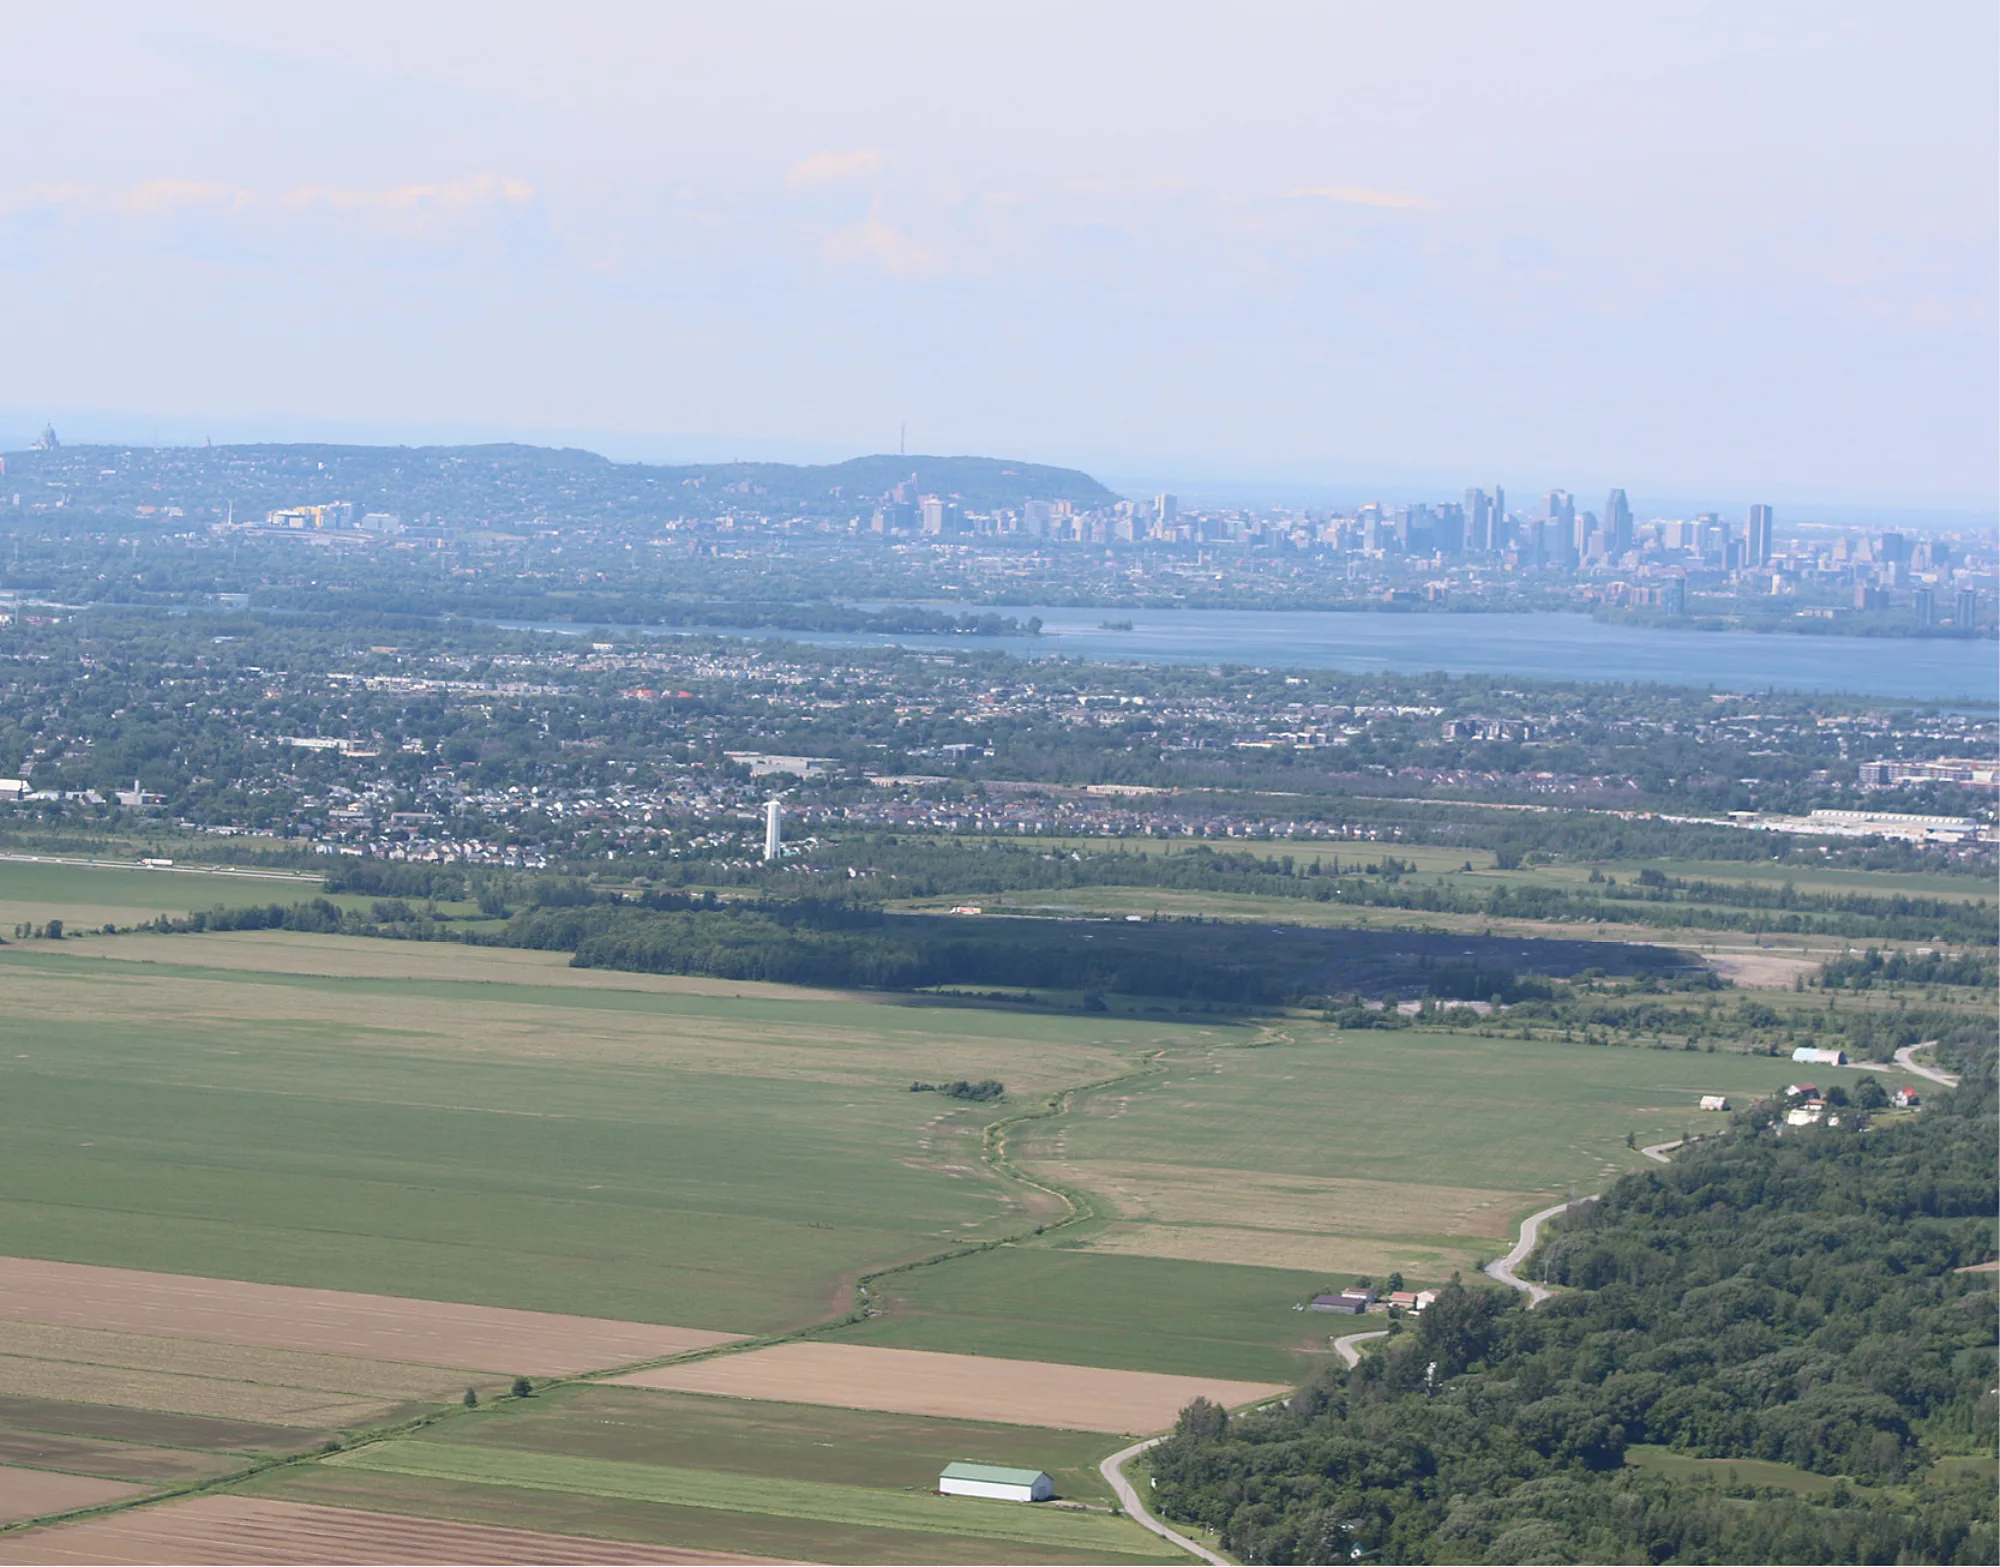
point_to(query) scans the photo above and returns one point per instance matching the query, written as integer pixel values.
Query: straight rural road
(1113, 1470)
(1904, 1059)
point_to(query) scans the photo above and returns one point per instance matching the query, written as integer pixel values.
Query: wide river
(1528, 646)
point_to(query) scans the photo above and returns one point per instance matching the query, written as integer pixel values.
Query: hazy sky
(1749, 247)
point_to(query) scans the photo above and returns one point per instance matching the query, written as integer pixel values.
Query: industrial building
(996, 1483)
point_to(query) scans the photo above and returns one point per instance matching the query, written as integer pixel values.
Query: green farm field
(730, 1475)
(664, 1523)
(793, 1441)
(88, 897)
(1238, 1182)
(731, 1157)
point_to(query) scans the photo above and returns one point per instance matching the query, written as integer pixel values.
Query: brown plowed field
(334, 1322)
(29, 1493)
(146, 1425)
(113, 1460)
(250, 1530)
(958, 1387)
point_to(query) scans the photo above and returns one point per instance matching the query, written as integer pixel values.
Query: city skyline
(1312, 248)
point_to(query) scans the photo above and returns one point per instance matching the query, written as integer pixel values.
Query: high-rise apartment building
(1757, 548)
(1617, 525)
(1480, 534)
(1923, 607)
(1965, 612)
(1449, 529)
(1166, 509)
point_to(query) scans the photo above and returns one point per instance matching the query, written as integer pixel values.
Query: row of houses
(1358, 1298)
(1805, 1106)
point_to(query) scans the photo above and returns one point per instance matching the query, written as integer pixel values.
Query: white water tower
(773, 840)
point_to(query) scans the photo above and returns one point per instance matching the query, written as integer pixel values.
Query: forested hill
(508, 484)
(1791, 1299)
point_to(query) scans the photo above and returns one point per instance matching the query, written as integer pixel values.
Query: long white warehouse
(998, 1483)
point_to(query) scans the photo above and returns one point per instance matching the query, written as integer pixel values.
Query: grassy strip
(809, 1499)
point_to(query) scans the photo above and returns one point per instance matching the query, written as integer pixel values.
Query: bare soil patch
(113, 1460)
(330, 1322)
(1333, 1255)
(959, 1387)
(1762, 970)
(246, 1530)
(31, 1493)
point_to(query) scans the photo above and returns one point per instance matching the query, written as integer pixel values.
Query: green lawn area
(790, 1441)
(1411, 1106)
(1731, 1471)
(89, 896)
(870, 1507)
(1094, 1309)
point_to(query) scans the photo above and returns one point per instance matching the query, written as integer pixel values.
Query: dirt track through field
(275, 1316)
(958, 1387)
(215, 1530)
(29, 1493)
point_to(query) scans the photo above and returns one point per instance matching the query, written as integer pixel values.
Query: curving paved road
(1344, 1347)
(1113, 1470)
(1905, 1061)
(1502, 1268)
(1660, 1151)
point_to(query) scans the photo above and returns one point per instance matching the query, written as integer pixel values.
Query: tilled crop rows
(211, 1531)
(962, 1387)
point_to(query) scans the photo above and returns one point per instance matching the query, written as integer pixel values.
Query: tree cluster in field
(985, 1089)
(1873, 968)
(1787, 1298)
(1379, 879)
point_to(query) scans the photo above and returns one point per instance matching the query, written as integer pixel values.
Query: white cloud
(1362, 196)
(874, 242)
(835, 168)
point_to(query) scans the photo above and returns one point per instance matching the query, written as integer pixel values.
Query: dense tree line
(1871, 968)
(1790, 1298)
(1374, 877)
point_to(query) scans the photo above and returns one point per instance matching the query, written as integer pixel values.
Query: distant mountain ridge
(512, 483)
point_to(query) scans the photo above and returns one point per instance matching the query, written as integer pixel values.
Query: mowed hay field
(641, 1152)
(807, 1483)
(86, 897)
(1369, 1151)
(1236, 1183)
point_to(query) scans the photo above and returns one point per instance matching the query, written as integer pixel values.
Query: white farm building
(991, 1480)
(1813, 1057)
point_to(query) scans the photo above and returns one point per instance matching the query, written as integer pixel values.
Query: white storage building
(998, 1483)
